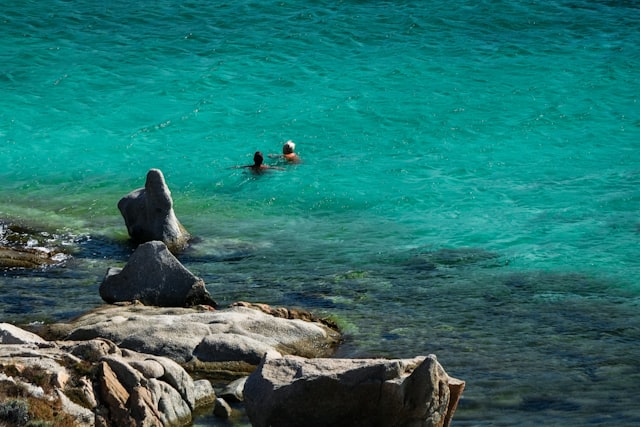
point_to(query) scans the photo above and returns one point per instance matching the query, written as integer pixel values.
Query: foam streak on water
(469, 185)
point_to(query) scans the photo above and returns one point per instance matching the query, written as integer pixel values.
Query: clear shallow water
(469, 185)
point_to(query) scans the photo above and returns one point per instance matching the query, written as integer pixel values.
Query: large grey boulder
(293, 391)
(225, 343)
(97, 383)
(154, 276)
(148, 214)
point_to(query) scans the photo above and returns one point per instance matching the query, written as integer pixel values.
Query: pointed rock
(148, 214)
(154, 276)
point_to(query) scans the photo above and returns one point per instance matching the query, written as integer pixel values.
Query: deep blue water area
(470, 184)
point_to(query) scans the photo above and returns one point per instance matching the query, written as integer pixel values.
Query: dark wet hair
(258, 158)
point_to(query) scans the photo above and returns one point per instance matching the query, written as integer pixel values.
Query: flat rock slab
(220, 343)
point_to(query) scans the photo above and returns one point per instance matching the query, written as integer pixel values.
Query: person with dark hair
(258, 167)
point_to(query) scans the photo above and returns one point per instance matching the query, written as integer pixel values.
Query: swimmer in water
(258, 167)
(288, 153)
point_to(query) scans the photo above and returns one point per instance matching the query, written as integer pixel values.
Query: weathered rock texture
(10, 334)
(154, 276)
(148, 214)
(225, 344)
(98, 383)
(292, 391)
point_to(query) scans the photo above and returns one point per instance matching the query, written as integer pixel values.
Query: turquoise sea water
(470, 184)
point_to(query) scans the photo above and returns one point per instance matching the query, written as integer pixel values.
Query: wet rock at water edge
(24, 248)
(154, 276)
(292, 391)
(148, 214)
(227, 343)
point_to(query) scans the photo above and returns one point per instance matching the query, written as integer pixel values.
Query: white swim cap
(289, 146)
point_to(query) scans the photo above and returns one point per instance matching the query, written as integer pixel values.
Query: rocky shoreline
(134, 365)
(134, 361)
(131, 365)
